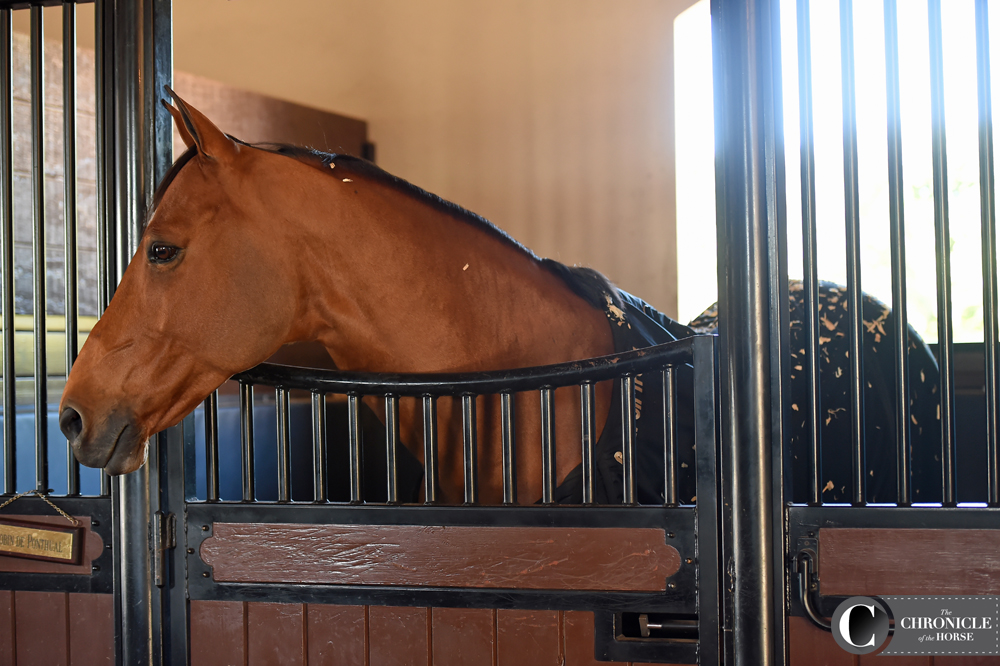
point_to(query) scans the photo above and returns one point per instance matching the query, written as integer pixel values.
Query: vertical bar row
(212, 447)
(628, 438)
(670, 437)
(70, 213)
(548, 445)
(470, 448)
(38, 246)
(354, 446)
(284, 445)
(319, 446)
(509, 442)
(852, 222)
(430, 449)
(391, 440)
(246, 438)
(942, 246)
(989, 235)
(897, 244)
(7, 250)
(589, 444)
(810, 280)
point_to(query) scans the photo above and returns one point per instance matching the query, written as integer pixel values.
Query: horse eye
(161, 254)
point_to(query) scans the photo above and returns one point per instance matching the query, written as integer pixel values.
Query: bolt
(689, 560)
(812, 534)
(95, 523)
(95, 567)
(204, 528)
(670, 535)
(205, 575)
(672, 586)
(190, 551)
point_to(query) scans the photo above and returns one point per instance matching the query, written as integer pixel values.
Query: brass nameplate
(40, 541)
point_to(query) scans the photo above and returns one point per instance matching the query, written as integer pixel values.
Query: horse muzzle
(115, 443)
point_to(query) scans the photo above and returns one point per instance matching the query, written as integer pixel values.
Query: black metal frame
(694, 591)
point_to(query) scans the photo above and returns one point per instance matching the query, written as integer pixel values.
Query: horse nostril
(70, 423)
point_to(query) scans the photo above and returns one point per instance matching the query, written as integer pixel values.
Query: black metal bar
(212, 447)
(573, 373)
(897, 245)
(104, 82)
(470, 448)
(319, 446)
(988, 218)
(942, 246)
(38, 272)
(284, 445)
(548, 445)
(70, 214)
(430, 449)
(508, 437)
(670, 437)
(354, 446)
(246, 440)
(852, 223)
(589, 444)
(628, 438)
(746, 64)
(391, 440)
(7, 251)
(810, 279)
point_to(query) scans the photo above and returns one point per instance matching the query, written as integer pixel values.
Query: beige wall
(552, 118)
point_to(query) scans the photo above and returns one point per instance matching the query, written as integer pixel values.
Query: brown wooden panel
(811, 646)
(462, 636)
(578, 639)
(528, 638)
(336, 635)
(91, 629)
(275, 634)
(398, 636)
(218, 636)
(876, 659)
(862, 561)
(40, 628)
(6, 627)
(93, 546)
(970, 660)
(623, 559)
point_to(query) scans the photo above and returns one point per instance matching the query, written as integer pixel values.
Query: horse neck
(397, 284)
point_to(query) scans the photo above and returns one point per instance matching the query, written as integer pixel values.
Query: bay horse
(247, 249)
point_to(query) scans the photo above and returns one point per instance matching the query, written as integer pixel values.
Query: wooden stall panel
(218, 637)
(91, 630)
(398, 636)
(606, 559)
(40, 629)
(528, 638)
(578, 641)
(811, 646)
(6, 627)
(338, 635)
(275, 634)
(867, 561)
(462, 636)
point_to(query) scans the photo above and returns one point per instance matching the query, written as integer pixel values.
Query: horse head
(201, 299)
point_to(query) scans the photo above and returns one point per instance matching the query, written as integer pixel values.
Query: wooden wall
(56, 629)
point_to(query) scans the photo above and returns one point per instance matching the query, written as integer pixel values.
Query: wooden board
(93, 546)
(605, 559)
(218, 633)
(867, 561)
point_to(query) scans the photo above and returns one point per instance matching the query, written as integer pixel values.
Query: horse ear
(197, 130)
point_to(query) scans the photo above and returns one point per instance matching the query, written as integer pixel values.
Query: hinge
(164, 538)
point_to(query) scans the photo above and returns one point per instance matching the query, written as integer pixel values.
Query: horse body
(248, 250)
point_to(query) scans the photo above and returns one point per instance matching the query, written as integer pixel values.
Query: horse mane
(587, 283)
